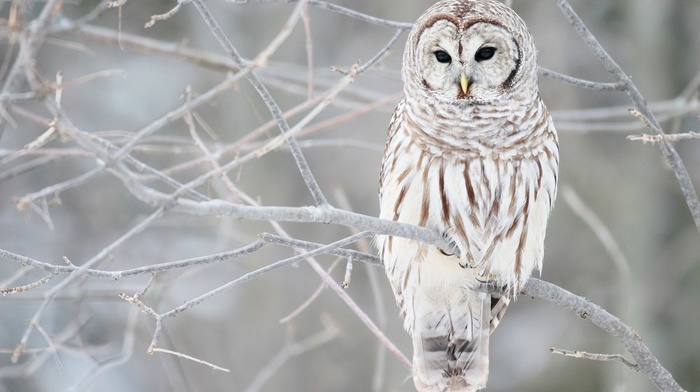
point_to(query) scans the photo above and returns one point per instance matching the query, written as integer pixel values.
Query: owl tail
(451, 345)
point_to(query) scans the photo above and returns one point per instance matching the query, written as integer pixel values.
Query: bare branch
(27, 287)
(165, 16)
(304, 168)
(675, 137)
(365, 319)
(260, 271)
(382, 52)
(151, 46)
(348, 274)
(629, 338)
(309, 50)
(580, 82)
(311, 298)
(290, 350)
(594, 357)
(346, 253)
(29, 47)
(188, 357)
(145, 270)
(609, 243)
(347, 12)
(642, 108)
(56, 189)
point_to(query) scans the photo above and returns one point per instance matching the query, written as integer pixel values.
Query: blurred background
(115, 85)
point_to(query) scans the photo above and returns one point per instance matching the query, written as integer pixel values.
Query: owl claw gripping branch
(472, 153)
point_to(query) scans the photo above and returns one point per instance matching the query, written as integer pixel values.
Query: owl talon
(446, 253)
(453, 245)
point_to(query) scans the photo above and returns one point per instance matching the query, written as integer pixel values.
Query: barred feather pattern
(495, 210)
(481, 170)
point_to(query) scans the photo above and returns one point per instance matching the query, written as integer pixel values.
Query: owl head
(470, 52)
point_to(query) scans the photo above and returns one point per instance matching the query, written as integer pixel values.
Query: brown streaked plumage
(473, 154)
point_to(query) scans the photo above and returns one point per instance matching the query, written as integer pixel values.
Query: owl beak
(464, 82)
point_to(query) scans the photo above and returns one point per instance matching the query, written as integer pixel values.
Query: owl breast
(489, 189)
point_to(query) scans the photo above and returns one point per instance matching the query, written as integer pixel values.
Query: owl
(471, 153)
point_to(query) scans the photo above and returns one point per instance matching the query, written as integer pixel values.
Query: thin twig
(165, 16)
(386, 342)
(311, 298)
(244, 143)
(188, 357)
(121, 357)
(309, 50)
(348, 274)
(145, 270)
(27, 287)
(375, 282)
(176, 114)
(609, 243)
(136, 301)
(52, 346)
(261, 271)
(264, 55)
(347, 12)
(379, 55)
(201, 58)
(290, 350)
(594, 357)
(243, 279)
(580, 82)
(58, 188)
(675, 137)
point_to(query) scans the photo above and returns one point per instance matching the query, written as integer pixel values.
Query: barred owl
(471, 153)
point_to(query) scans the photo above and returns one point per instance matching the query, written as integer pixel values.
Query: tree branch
(629, 338)
(666, 147)
(594, 357)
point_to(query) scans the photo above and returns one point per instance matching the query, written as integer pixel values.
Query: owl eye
(484, 53)
(443, 57)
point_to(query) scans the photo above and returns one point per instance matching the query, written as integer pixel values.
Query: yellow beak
(463, 82)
